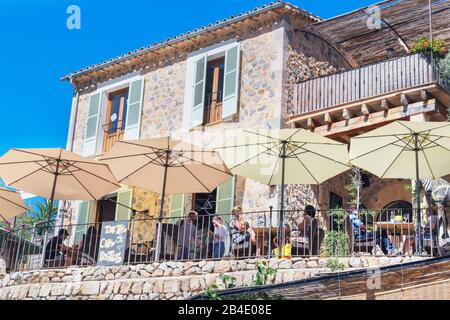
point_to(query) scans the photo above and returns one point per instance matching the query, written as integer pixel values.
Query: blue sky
(37, 49)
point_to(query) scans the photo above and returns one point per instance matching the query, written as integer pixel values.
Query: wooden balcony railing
(366, 82)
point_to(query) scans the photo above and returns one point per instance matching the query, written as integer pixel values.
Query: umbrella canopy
(56, 174)
(285, 156)
(307, 158)
(408, 150)
(151, 163)
(11, 204)
(391, 151)
(167, 166)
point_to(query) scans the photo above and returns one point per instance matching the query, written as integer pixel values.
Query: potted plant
(425, 46)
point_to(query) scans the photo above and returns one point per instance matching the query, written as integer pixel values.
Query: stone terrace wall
(166, 280)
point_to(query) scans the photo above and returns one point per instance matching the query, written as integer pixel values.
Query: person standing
(220, 232)
(187, 236)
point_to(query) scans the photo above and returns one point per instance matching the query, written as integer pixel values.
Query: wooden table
(405, 228)
(262, 238)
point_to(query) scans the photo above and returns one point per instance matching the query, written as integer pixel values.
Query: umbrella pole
(281, 226)
(419, 220)
(161, 211)
(52, 198)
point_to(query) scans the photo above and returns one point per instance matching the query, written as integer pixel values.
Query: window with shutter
(90, 138)
(212, 85)
(134, 110)
(199, 92)
(225, 198)
(176, 209)
(124, 200)
(231, 82)
(82, 220)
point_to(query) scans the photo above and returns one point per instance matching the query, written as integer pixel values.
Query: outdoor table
(262, 238)
(397, 230)
(404, 228)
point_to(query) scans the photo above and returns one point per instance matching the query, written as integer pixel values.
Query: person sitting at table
(236, 225)
(89, 245)
(55, 250)
(361, 233)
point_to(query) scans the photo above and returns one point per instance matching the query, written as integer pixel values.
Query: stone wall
(166, 280)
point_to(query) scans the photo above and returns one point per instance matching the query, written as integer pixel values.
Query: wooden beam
(424, 95)
(311, 123)
(327, 118)
(404, 100)
(347, 114)
(385, 104)
(365, 109)
(375, 119)
(357, 104)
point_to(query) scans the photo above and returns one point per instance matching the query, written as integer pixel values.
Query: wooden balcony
(369, 95)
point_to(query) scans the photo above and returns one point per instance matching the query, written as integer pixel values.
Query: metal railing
(336, 232)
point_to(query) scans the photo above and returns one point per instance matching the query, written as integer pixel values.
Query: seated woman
(89, 246)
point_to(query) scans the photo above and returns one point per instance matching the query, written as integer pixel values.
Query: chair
(357, 245)
(432, 244)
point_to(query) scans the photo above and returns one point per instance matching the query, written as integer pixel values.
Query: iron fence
(329, 233)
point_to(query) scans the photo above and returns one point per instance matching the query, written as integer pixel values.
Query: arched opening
(399, 207)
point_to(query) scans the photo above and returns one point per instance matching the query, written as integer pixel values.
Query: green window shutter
(176, 208)
(90, 138)
(82, 220)
(198, 94)
(225, 198)
(125, 198)
(231, 81)
(134, 110)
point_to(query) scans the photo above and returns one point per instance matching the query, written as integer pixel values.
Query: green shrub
(334, 264)
(263, 272)
(336, 244)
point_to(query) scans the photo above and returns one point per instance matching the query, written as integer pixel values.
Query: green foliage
(263, 272)
(228, 280)
(334, 264)
(426, 46)
(336, 240)
(211, 292)
(444, 68)
(354, 189)
(336, 244)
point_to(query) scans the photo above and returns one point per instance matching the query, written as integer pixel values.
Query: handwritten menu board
(113, 242)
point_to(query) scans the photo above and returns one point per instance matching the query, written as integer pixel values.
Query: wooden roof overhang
(364, 35)
(171, 48)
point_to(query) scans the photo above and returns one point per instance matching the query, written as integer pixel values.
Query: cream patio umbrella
(408, 150)
(284, 156)
(56, 174)
(166, 166)
(11, 204)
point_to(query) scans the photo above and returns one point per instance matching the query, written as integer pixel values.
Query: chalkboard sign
(113, 243)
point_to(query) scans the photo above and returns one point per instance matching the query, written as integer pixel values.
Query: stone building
(249, 71)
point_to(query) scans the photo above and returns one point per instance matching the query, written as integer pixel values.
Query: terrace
(331, 233)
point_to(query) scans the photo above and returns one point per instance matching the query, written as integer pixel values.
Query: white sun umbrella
(408, 150)
(166, 166)
(11, 204)
(284, 156)
(56, 174)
